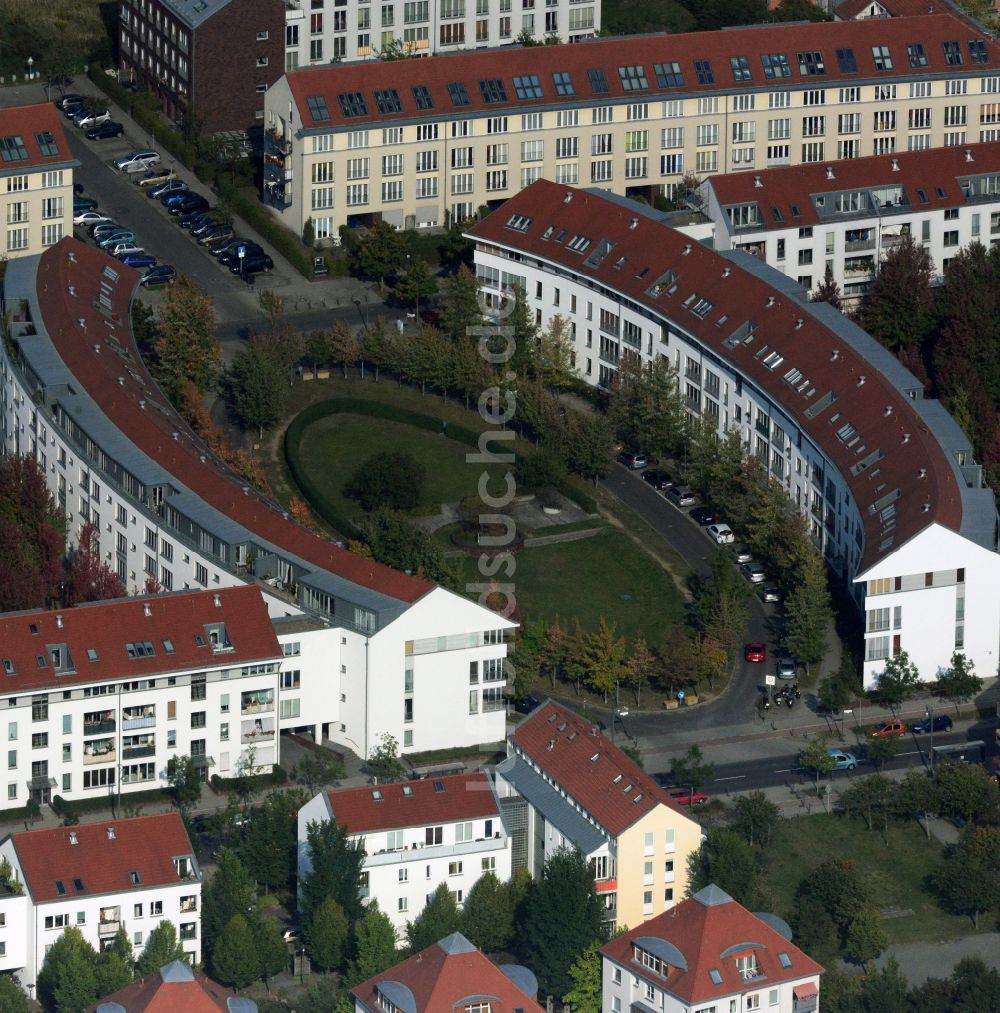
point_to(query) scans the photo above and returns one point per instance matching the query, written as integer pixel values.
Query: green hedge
(277, 775)
(75, 807)
(20, 815)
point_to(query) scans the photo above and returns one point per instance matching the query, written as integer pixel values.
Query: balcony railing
(108, 756)
(859, 245)
(108, 928)
(134, 752)
(890, 241)
(98, 727)
(257, 708)
(256, 734)
(429, 851)
(129, 724)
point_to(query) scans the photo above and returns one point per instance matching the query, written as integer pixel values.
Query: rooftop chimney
(687, 249)
(71, 289)
(147, 609)
(922, 473)
(888, 410)
(835, 355)
(111, 833)
(799, 323)
(59, 620)
(568, 197)
(97, 349)
(552, 744)
(82, 323)
(634, 224)
(176, 435)
(73, 839)
(968, 155)
(771, 301)
(758, 182)
(121, 381)
(895, 165)
(906, 437)
(861, 380)
(72, 257)
(829, 172)
(726, 272)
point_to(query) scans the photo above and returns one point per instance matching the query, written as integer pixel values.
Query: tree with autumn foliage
(185, 349)
(32, 537)
(344, 346)
(89, 578)
(828, 291)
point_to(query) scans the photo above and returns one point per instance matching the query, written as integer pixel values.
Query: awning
(42, 782)
(200, 761)
(806, 991)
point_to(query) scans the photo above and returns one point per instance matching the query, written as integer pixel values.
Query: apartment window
(707, 161)
(812, 152)
(882, 57)
(17, 239)
(531, 151)
(706, 134)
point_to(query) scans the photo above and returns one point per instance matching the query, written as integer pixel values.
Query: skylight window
(422, 96)
(548, 232)
(40, 661)
(776, 213)
(8, 666)
(741, 68)
(774, 360)
(47, 143)
(846, 61)
(78, 885)
(492, 89)
(784, 959)
(668, 75)
(977, 51)
(168, 645)
(918, 57)
(140, 649)
(60, 887)
(811, 63)
(352, 103)
(715, 976)
(703, 71)
(376, 795)
(922, 195)
(135, 877)
(439, 786)
(387, 100)
(317, 108)
(563, 82)
(598, 82)
(775, 65)
(527, 86)
(12, 149)
(952, 53)
(459, 96)
(408, 790)
(578, 244)
(519, 223)
(633, 77)
(880, 54)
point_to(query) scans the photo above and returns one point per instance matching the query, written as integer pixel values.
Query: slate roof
(92, 638)
(444, 977)
(350, 95)
(704, 934)
(174, 987)
(896, 470)
(591, 769)
(44, 145)
(424, 802)
(102, 856)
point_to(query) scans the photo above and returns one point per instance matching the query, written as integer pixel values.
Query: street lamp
(364, 324)
(31, 62)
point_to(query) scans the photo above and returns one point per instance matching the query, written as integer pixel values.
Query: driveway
(920, 961)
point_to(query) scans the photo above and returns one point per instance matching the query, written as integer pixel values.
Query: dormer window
(648, 960)
(748, 967)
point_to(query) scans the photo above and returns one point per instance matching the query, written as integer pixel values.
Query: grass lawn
(336, 445)
(895, 873)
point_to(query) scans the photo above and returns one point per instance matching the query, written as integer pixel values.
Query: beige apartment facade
(439, 138)
(36, 180)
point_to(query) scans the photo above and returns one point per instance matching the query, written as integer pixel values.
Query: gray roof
(237, 1004)
(666, 951)
(398, 994)
(111, 1007)
(773, 921)
(195, 12)
(547, 800)
(712, 895)
(176, 971)
(456, 943)
(522, 977)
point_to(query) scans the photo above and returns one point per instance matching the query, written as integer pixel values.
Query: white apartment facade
(129, 873)
(845, 218)
(36, 180)
(876, 469)
(419, 143)
(417, 835)
(349, 30)
(709, 954)
(166, 509)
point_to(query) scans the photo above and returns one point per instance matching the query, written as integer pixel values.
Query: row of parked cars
(97, 123)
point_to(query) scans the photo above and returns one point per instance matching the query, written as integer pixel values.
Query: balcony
(602, 886)
(135, 752)
(101, 726)
(101, 751)
(888, 242)
(130, 724)
(189, 904)
(257, 731)
(419, 852)
(258, 706)
(109, 926)
(859, 245)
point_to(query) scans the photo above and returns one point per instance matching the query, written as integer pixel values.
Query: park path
(920, 961)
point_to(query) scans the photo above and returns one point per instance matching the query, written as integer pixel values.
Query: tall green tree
(115, 966)
(916, 796)
(344, 346)
(383, 761)
(374, 944)
(560, 917)
(268, 848)
(460, 308)
(966, 790)
(335, 871)
(814, 756)
(827, 290)
(12, 997)
(380, 252)
(228, 893)
(317, 770)
(162, 947)
(487, 915)
(691, 769)
(959, 680)
(439, 918)
(417, 282)
(898, 680)
(726, 860)
(272, 950)
(866, 939)
(898, 308)
(327, 935)
(836, 887)
(393, 540)
(809, 614)
(754, 818)
(67, 982)
(185, 348)
(882, 748)
(646, 407)
(871, 798)
(259, 385)
(601, 656)
(234, 958)
(185, 782)
(585, 995)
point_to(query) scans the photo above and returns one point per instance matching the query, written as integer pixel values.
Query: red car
(885, 729)
(684, 796)
(755, 652)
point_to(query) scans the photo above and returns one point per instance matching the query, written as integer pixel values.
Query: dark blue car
(138, 260)
(937, 723)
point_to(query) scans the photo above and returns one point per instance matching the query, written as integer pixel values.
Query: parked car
(842, 759)
(206, 223)
(721, 533)
(703, 516)
(755, 652)
(255, 264)
(154, 177)
(137, 260)
(687, 796)
(125, 247)
(116, 238)
(786, 667)
(83, 204)
(887, 729)
(162, 274)
(753, 572)
(525, 704)
(215, 235)
(71, 109)
(742, 553)
(98, 232)
(89, 120)
(175, 194)
(167, 186)
(657, 478)
(137, 161)
(632, 459)
(232, 255)
(222, 246)
(938, 723)
(109, 128)
(682, 496)
(194, 218)
(770, 592)
(186, 203)
(72, 98)
(89, 217)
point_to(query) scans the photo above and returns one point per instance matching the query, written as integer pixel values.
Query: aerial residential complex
(564, 784)
(885, 477)
(36, 180)
(709, 953)
(397, 654)
(422, 142)
(417, 835)
(843, 218)
(128, 873)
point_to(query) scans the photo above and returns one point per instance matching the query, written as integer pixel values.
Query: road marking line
(735, 777)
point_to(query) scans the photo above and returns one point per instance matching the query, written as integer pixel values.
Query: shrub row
(275, 776)
(75, 807)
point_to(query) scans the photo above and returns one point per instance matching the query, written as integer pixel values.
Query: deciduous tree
(335, 871)
(866, 939)
(585, 973)
(809, 615)
(959, 680)
(815, 757)
(726, 860)
(487, 915)
(90, 578)
(898, 681)
(691, 770)
(67, 982)
(898, 308)
(185, 349)
(460, 308)
(393, 540)
(344, 346)
(268, 847)
(12, 997)
(260, 384)
(162, 947)
(380, 252)
(754, 817)
(871, 798)
(828, 290)
(391, 479)
(228, 893)
(375, 944)
(416, 283)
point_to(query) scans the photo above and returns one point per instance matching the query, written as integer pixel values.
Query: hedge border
(276, 776)
(393, 413)
(66, 807)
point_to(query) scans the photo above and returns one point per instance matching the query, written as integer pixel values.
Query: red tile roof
(913, 462)
(154, 995)
(106, 627)
(70, 279)
(591, 769)
(437, 72)
(701, 929)
(102, 862)
(447, 974)
(913, 170)
(414, 803)
(27, 122)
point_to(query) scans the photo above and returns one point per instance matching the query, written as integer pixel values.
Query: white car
(93, 120)
(722, 533)
(90, 218)
(124, 249)
(137, 161)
